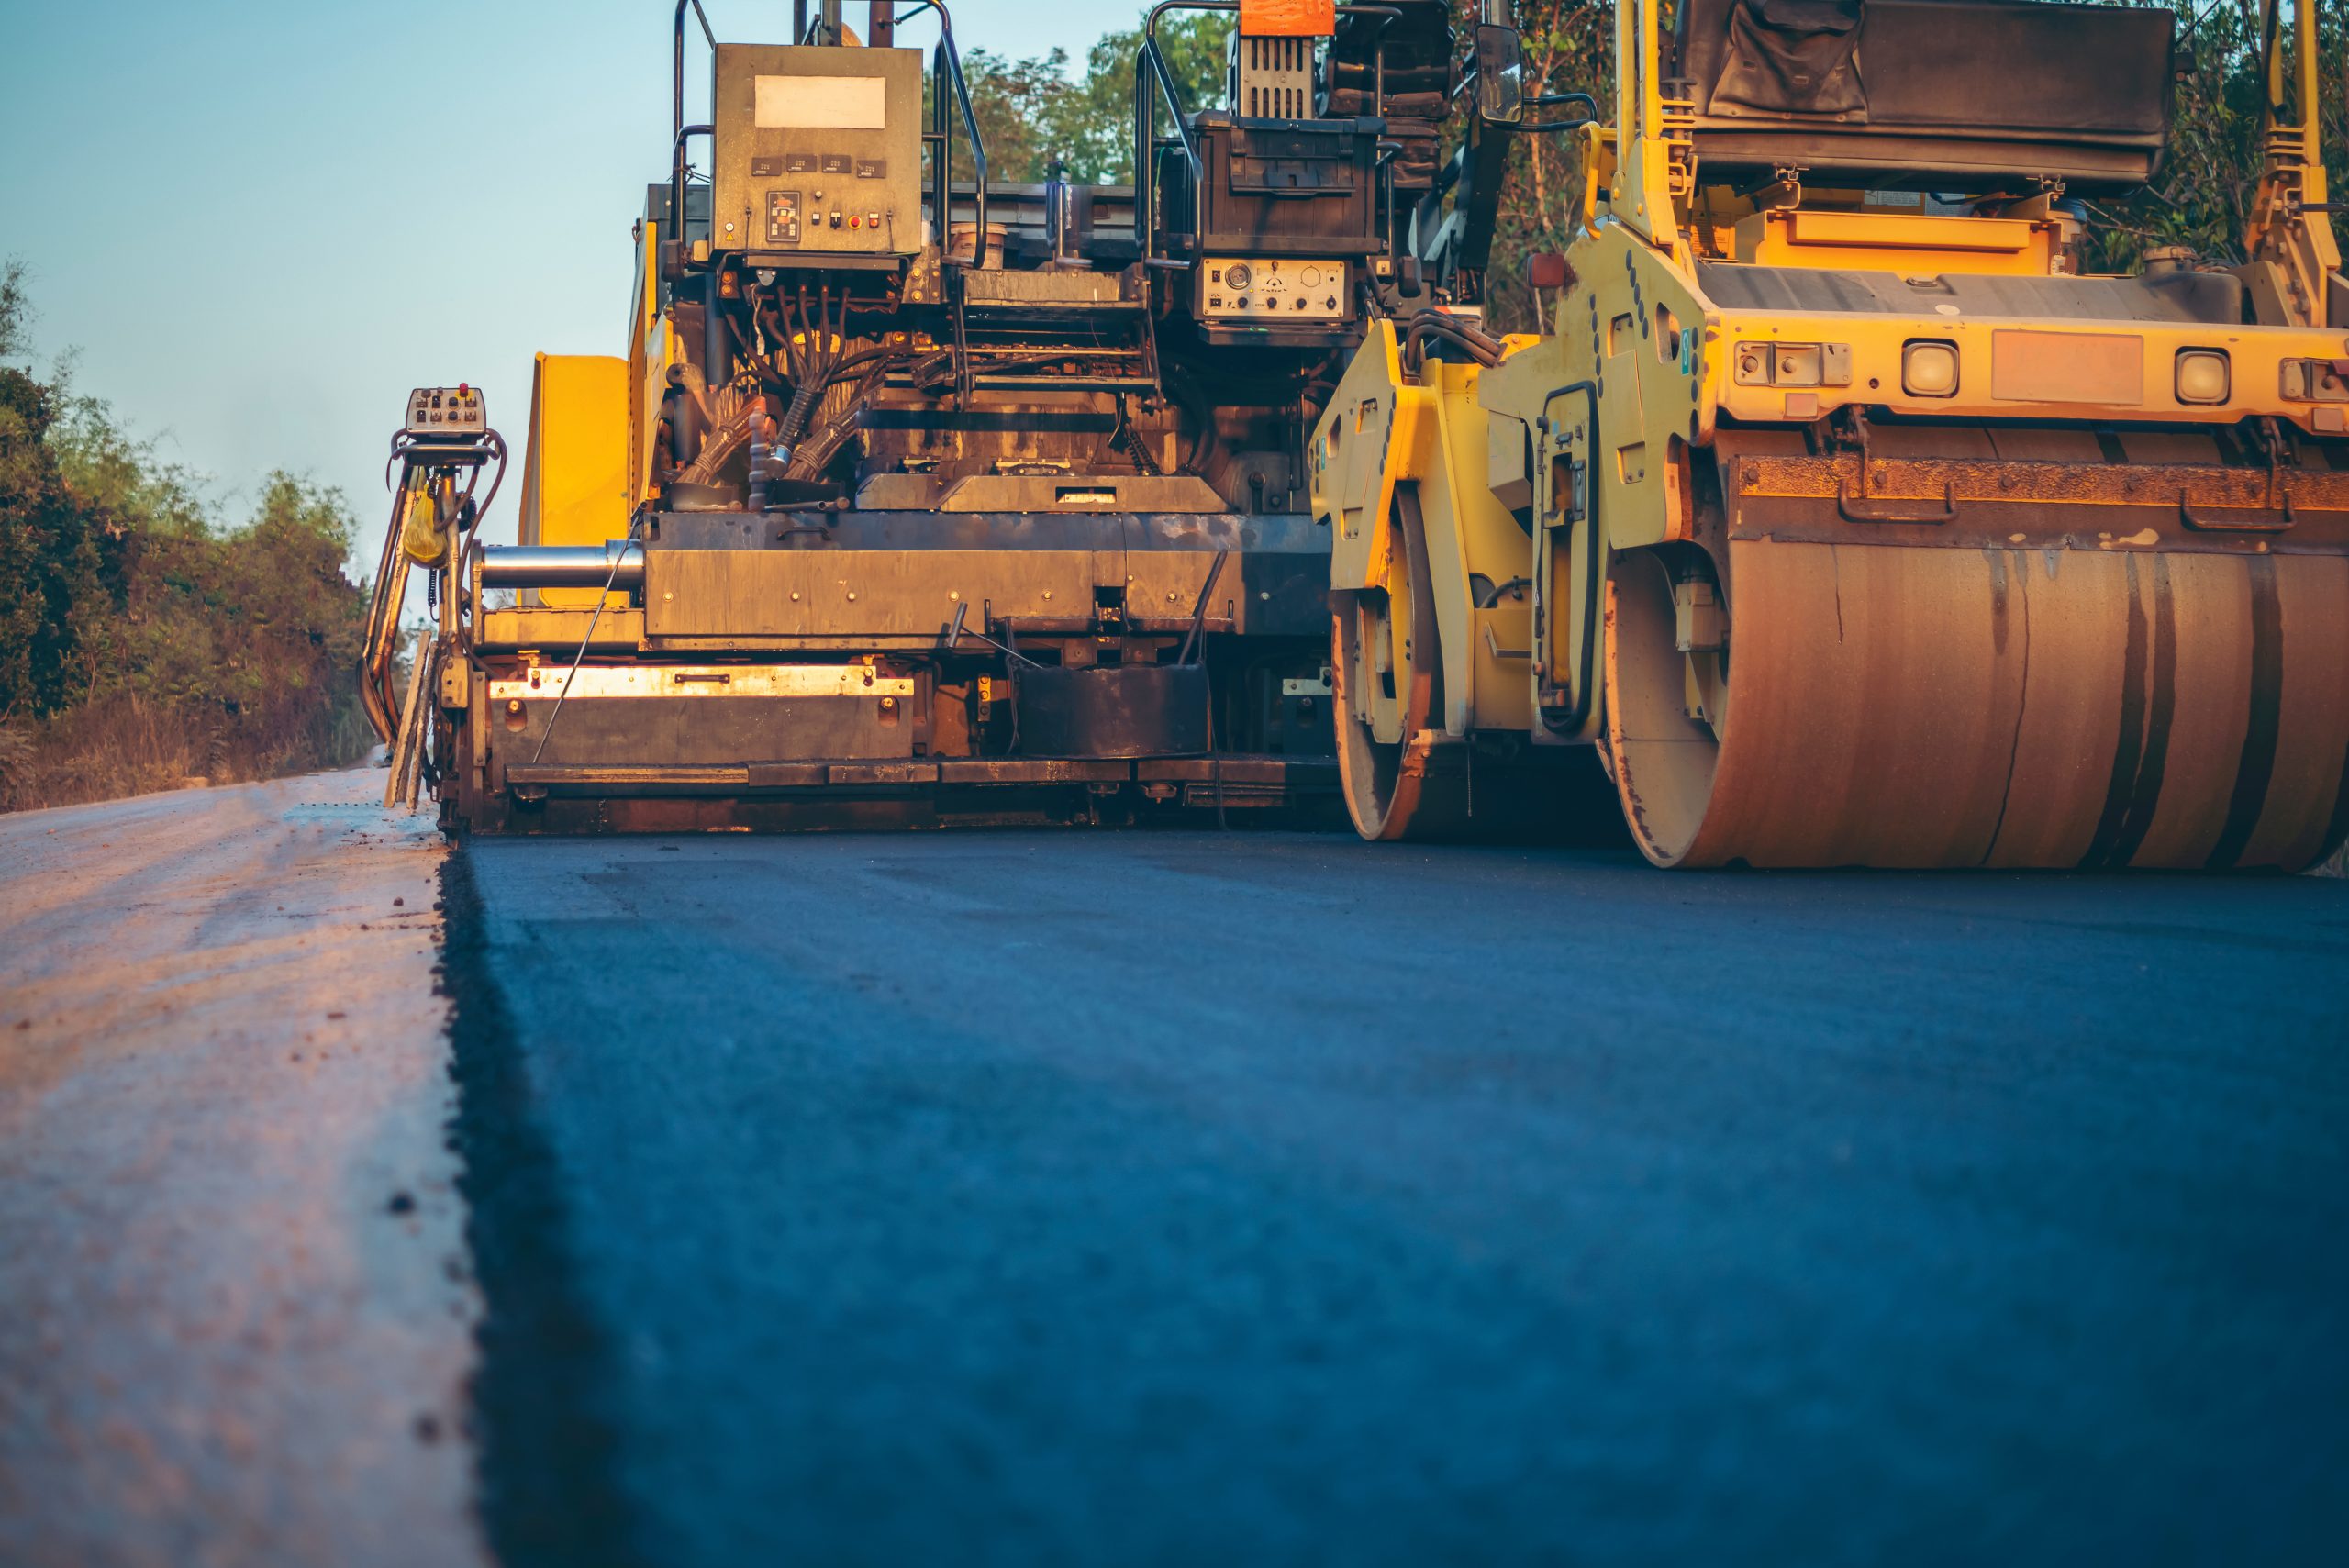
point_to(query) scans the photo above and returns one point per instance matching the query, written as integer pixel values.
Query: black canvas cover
(1793, 57)
(1929, 94)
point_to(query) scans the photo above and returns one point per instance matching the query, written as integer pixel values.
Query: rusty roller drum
(1422, 786)
(2069, 701)
(1394, 790)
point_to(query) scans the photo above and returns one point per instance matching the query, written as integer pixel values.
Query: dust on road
(238, 1313)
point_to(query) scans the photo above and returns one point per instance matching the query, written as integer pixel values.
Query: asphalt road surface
(1152, 1198)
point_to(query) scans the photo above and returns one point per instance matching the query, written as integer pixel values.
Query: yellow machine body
(2071, 589)
(913, 494)
(576, 478)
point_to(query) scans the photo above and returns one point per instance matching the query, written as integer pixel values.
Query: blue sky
(259, 224)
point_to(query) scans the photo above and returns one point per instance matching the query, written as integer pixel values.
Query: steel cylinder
(617, 562)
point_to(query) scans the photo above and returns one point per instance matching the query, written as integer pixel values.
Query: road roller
(1838, 516)
(920, 496)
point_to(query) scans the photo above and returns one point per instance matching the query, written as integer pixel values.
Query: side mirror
(1500, 75)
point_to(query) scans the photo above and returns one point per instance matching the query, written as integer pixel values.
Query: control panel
(1273, 290)
(447, 411)
(817, 152)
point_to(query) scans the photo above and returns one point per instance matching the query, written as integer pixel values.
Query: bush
(143, 642)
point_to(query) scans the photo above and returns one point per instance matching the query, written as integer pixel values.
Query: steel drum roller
(1901, 706)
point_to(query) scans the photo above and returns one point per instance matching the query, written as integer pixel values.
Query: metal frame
(1150, 69)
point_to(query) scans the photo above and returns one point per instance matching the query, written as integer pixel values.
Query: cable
(635, 524)
(1485, 348)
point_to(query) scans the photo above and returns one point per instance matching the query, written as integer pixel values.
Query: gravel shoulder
(236, 1314)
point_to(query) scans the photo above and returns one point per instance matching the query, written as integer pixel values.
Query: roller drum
(1898, 706)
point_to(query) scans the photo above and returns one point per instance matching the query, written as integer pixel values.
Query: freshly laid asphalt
(1041, 1198)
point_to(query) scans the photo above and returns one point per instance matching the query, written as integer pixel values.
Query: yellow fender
(1378, 430)
(1384, 429)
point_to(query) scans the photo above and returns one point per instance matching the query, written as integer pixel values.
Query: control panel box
(815, 152)
(1275, 290)
(447, 411)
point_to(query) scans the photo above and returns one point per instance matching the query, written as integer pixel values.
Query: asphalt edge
(546, 1470)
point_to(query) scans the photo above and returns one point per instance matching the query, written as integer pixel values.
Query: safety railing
(679, 129)
(945, 70)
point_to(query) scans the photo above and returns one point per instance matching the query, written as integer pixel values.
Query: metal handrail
(946, 65)
(947, 62)
(679, 130)
(1149, 63)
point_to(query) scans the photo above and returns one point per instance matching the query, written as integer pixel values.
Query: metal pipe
(716, 353)
(2271, 51)
(617, 562)
(2304, 19)
(1486, 350)
(1199, 611)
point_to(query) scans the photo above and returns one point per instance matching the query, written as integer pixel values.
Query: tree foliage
(2201, 199)
(59, 558)
(1035, 113)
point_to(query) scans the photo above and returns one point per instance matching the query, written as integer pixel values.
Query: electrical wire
(635, 526)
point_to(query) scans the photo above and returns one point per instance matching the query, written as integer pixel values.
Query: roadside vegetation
(149, 640)
(1041, 111)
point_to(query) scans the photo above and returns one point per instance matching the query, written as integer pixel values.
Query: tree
(51, 563)
(2201, 197)
(1569, 48)
(1197, 47)
(1033, 114)
(16, 311)
(1025, 112)
(140, 639)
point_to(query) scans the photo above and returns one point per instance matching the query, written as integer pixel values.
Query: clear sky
(259, 224)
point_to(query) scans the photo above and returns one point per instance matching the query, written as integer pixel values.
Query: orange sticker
(1288, 18)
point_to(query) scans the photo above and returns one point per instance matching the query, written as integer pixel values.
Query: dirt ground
(234, 1310)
